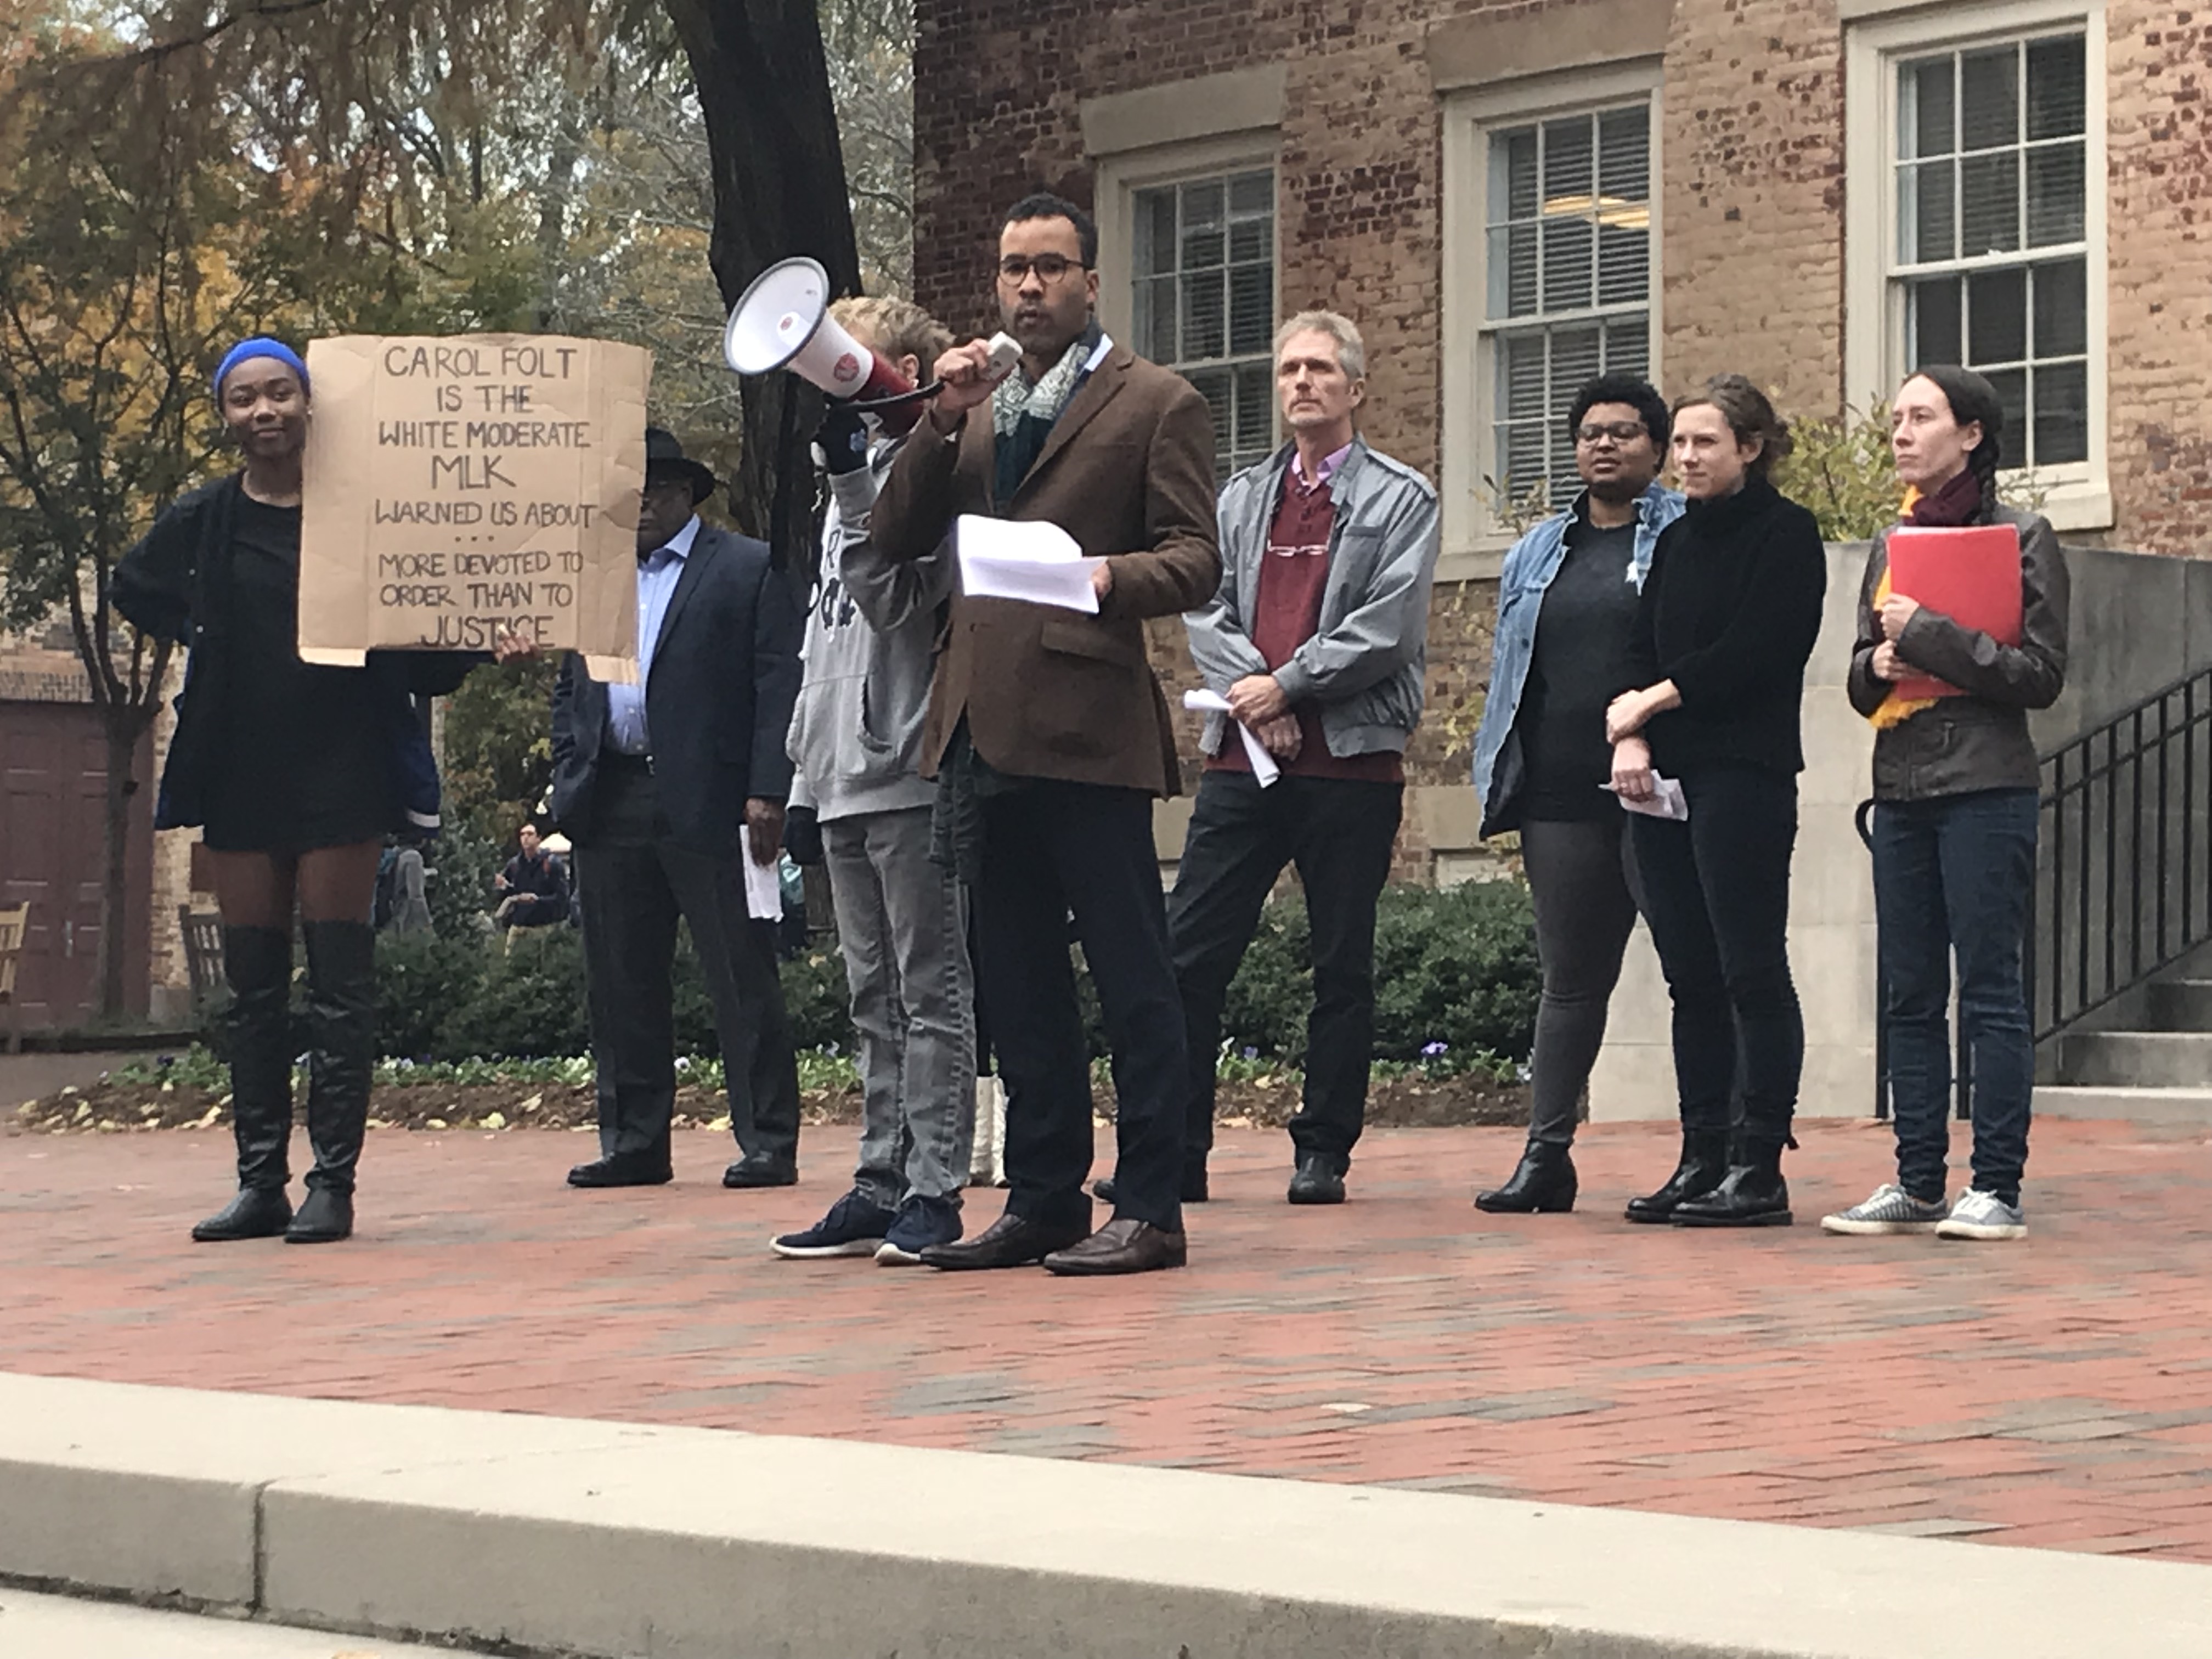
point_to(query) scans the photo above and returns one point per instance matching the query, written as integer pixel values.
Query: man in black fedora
(665, 787)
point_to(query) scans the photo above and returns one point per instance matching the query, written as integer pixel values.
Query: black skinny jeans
(1716, 894)
(1582, 886)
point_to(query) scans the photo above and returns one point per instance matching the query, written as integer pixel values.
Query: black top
(535, 878)
(1730, 612)
(1583, 632)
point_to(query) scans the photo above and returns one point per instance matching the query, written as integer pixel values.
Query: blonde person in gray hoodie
(859, 795)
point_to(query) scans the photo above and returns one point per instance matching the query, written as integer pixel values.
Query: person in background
(859, 800)
(535, 892)
(1566, 609)
(1728, 615)
(665, 787)
(1955, 790)
(1317, 638)
(295, 773)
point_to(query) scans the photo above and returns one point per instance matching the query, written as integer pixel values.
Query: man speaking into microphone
(1049, 738)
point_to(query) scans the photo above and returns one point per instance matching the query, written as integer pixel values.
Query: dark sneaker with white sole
(1984, 1217)
(855, 1225)
(921, 1222)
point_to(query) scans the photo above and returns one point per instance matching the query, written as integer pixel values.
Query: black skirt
(304, 760)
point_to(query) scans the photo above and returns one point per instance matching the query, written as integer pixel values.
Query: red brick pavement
(2051, 1394)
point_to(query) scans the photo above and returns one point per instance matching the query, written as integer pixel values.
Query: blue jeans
(1954, 875)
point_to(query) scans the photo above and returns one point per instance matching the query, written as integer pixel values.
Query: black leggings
(1581, 883)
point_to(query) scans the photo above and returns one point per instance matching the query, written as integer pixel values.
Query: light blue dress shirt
(658, 573)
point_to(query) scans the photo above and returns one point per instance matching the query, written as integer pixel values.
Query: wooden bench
(201, 932)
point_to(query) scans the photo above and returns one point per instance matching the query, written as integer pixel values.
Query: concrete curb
(631, 1542)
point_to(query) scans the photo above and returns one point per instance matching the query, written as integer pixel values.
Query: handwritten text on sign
(470, 487)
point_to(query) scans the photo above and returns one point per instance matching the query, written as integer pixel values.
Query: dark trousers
(1582, 882)
(1716, 894)
(1955, 875)
(1339, 833)
(1048, 849)
(635, 882)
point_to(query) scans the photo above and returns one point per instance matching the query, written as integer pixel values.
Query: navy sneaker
(854, 1226)
(921, 1222)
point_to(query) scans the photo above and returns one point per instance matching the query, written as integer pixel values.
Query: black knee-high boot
(258, 962)
(342, 1058)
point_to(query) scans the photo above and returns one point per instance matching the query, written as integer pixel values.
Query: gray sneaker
(1982, 1215)
(1891, 1210)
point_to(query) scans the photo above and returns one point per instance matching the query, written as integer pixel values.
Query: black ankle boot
(257, 1043)
(1543, 1181)
(1752, 1194)
(1705, 1162)
(342, 1058)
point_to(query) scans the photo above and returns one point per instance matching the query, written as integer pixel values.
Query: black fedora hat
(665, 458)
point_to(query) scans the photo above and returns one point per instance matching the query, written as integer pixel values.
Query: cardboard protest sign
(459, 487)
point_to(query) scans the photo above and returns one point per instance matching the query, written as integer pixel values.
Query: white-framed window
(1188, 276)
(1981, 238)
(1551, 256)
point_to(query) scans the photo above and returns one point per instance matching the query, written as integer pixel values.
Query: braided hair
(1974, 400)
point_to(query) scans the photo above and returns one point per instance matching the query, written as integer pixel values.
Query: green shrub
(528, 1003)
(422, 980)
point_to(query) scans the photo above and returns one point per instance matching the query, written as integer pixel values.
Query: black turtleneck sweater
(1730, 611)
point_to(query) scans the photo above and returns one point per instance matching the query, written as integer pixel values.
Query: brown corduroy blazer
(1127, 470)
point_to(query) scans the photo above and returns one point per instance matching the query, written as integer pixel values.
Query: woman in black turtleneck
(1730, 614)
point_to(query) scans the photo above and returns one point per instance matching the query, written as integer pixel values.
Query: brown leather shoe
(1012, 1241)
(1123, 1245)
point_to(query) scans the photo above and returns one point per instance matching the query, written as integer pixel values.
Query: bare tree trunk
(763, 86)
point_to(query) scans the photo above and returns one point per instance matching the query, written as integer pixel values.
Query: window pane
(2062, 414)
(1624, 152)
(1520, 456)
(2056, 103)
(1156, 231)
(1251, 308)
(1520, 378)
(2055, 195)
(2062, 308)
(1627, 347)
(1513, 271)
(1577, 354)
(1513, 175)
(2011, 385)
(1989, 98)
(1931, 322)
(1989, 203)
(1203, 202)
(1203, 247)
(1928, 228)
(1568, 165)
(1251, 192)
(1926, 112)
(1996, 316)
(1567, 248)
(1205, 319)
(1156, 320)
(1255, 413)
(1624, 265)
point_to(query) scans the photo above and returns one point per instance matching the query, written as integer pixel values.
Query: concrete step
(2137, 1059)
(2182, 1106)
(2181, 1005)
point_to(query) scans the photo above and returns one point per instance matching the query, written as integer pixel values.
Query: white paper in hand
(1667, 800)
(1264, 768)
(1024, 559)
(764, 882)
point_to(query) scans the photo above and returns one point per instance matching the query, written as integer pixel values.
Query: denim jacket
(1529, 567)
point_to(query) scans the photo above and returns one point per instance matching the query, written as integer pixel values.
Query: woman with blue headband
(294, 774)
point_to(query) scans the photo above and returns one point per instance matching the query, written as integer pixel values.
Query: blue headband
(259, 346)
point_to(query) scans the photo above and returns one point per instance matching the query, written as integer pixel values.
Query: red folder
(1970, 574)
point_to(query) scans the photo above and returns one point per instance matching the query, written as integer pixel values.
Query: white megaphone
(782, 320)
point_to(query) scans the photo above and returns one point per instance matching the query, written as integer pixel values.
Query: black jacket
(1730, 612)
(175, 585)
(717, 705)
(1979, 741)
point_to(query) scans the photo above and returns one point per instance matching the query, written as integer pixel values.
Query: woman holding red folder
(1955, 788)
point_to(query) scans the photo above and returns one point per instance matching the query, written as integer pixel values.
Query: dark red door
(52, 785)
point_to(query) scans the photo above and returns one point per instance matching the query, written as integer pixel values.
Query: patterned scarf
(1042, 399)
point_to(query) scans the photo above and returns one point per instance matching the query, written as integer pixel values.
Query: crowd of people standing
(977, 776)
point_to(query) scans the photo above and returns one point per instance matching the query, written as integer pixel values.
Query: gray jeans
(901, 924)
(1581, 886)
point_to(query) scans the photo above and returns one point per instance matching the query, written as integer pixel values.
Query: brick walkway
(2054, 1393)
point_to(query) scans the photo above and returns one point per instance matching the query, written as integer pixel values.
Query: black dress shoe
(623, 1169)
(256, 1213)
(1544, 1181)
(1703, 1163)
(1123, 1245)
(325, 1217)
(1752, 1195)
(760, 1169)
(1194, 1187)
(1316, 1181)
(1012, 1241)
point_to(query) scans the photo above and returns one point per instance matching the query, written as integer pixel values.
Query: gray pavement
(61, 1627)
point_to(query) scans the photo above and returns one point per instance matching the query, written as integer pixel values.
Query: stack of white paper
(1024, 559)
(764, 882)
(1263, 763)
(1667, 800)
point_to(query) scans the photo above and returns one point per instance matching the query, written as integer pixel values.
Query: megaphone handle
(872, 405)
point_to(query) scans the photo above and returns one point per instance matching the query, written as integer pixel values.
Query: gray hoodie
(870, 647)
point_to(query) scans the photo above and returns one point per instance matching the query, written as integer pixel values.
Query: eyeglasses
(1621, 432)
(1014, 269)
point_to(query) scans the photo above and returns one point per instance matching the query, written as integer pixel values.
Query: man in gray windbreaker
(1317, 640)
(859, 795)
